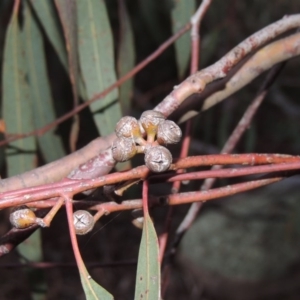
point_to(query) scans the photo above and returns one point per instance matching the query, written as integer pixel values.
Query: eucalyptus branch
(15, 236)
(196, 83)
(288, 48)
(229, 146)
(60, 168)
(260, 62)
(72, 187)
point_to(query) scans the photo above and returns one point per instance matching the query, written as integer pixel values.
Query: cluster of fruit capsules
(157, 130)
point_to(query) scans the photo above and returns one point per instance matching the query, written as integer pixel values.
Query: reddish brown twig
(72, 187)
(228, 148)
(75, 186)
(12, 240)
(196, 83)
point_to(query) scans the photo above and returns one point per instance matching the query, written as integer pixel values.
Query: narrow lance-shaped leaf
(47, 16)
(43, 107)
(97, 62)
(68, 18)
(49, 19)
(17, 113)
(92, 290)
(147, 286)
(125, 63)
(126, 57)
(67, 13)
(180, 15)
(17, 108)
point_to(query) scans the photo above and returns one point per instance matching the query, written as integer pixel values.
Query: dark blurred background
(243, 247)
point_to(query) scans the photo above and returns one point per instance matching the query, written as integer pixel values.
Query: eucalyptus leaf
(42, 103)
(17, 113)
(67, 13)
(92, 290)
(97, 62)
(17, 107)
(126, 57)
(47, 16)
(180, 15)
(147, 286)
(49, 19)
(68, 18)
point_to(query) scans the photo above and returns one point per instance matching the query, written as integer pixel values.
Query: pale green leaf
(92, 290)
(31, 248)
(17, 113)
(97, 62)
(126, 57)
(47, 15)
(147, 286)
(67, 13)
(68, 18)
(42, 103)
(180, 15)
(17, 107)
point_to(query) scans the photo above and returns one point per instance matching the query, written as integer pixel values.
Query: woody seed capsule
(22, 217)
(158, 159)
(83, 222)
(123, 149)
(150, 119)
(128, 127)
(168, 133)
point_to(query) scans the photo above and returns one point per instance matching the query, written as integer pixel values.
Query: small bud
(123, 149)
(128, 127)
(158, 159)
(22, 217)
(168, 133)
(83, 222)
(138, 222)
(150, 119)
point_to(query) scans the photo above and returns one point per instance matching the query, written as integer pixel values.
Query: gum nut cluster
(146, 135)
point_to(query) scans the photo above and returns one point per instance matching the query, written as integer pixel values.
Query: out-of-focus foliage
(182, 11)
(260, 235)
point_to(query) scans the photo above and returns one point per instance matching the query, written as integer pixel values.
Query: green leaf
(17, 113)
(47, 16)
(126, 57)
(17, 107)
(148, 270)
(43, 111)
(180, 15)
(68, 18)
(67, 13)
(97, 62)
(92, 290)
